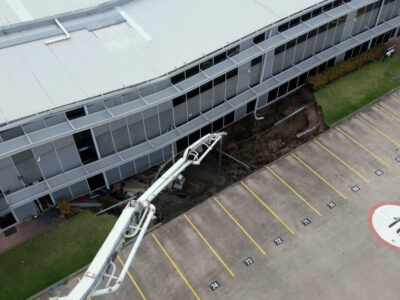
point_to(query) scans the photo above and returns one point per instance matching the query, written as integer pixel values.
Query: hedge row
(331, 74)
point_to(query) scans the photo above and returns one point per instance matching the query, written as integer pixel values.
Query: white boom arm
(133, 221)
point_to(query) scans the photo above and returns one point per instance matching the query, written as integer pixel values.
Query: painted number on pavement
(213, 286)
(248, 262)
(331, 204)
(278, 241)
(306, 222)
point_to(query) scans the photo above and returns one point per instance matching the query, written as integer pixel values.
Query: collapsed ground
(253, 142)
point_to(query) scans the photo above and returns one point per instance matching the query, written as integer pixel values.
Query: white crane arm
(134, 220)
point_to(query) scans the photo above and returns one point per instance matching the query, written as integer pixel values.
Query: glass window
(250, 107)
(273, 94)
(76, 113)
(192, 71)
(178, 100)
(229, 118)
(178, 78)
(233, 51)
(7, 220)
(283, 27)
(259, 38)
(218, 125)
(206, 64)
(219, 58)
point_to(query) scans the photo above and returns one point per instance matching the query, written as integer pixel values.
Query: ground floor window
(7, 220)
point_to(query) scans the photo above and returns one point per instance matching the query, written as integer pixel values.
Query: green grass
(357, 89)
(52, 255)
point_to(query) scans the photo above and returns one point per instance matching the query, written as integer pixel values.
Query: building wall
(228, 85)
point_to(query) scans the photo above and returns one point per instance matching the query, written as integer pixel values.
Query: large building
(94, 91)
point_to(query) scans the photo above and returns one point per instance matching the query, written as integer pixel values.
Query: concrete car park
(295, 229)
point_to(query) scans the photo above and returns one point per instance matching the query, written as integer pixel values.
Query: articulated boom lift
(134, 220)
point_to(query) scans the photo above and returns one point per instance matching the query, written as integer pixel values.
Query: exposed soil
(254, 142)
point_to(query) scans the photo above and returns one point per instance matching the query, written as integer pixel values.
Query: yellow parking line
(209, 246)
(392, 140)
(175, 266)
(342, 161)
(393, 116)
(397, 96)
(240, 226)
(267, 207)
(294, 191)
(132, 279)
(319, 176)
(79, 279)
(370, 152)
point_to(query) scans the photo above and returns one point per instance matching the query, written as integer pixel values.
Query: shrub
(65, 208)
(331, 74)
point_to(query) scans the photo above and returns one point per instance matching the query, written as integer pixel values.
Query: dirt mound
(286, 124)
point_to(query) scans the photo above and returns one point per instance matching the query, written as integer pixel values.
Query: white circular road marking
(384, 219)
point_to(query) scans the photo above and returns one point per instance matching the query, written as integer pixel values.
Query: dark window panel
(178, 100)
(178, 78)
(193, 93)
(306, 17)
(312, 33)
(76, 113)
(85, 146)
(301, 38)
(96, 182)
(7, 220)
(322, 67)
(256, 60)
(302, 78)
(293, 84)
(194, 136)
(192, 71)
(206, 64)
(283, 27)
(206, 87)
(232, 73)
(316, 12)
(283, 89)
(273, 94)
(233, 51)
(219, 58)
(313, 71)
(280, 49)
(322, 28)
(294, 22)
(182, 144)
(250, 107)
(229, 118)
(219, 80)
(259, 38)
(291, 44)
(331, 62)
(218, 125)
(206, 130)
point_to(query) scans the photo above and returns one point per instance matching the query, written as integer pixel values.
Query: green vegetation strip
(358, 88)
(36, 264)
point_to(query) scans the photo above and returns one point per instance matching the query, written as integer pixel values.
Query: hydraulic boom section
(133, 222)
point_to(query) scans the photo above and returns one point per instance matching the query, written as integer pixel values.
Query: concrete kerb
(69, 277)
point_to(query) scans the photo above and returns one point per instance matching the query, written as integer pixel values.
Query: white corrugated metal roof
(159, 36)
(15, 11)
